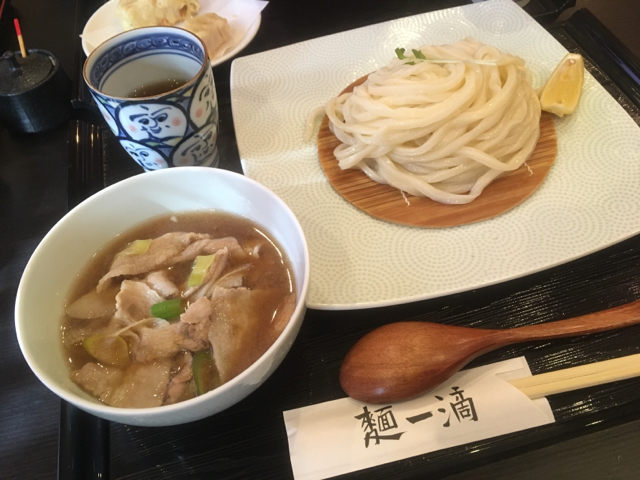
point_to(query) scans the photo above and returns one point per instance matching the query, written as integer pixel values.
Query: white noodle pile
(440, 128)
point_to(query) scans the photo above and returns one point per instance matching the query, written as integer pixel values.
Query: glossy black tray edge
(84, 439)
(546, 11)
(605, 52)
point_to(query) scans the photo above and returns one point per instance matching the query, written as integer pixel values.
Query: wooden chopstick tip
(575, 378)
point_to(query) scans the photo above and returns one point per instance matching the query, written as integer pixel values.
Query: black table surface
(597, 432)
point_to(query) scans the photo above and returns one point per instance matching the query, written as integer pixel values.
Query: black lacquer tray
(249, 439)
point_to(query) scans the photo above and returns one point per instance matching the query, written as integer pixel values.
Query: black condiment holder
(35, 93)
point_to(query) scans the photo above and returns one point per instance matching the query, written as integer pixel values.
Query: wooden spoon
(402, 360)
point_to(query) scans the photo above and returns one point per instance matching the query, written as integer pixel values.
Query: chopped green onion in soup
(205, 373)
(168, 309)
(201, 266)
(110, 349)
(137, 247)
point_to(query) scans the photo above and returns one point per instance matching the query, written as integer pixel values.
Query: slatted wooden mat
(388, 203)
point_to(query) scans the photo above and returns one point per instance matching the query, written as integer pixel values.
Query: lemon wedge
(562, 92)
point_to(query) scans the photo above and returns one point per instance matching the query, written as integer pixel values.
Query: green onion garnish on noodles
(167, 310)
(418, 56)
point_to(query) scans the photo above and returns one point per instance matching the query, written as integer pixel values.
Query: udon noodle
(444, 126)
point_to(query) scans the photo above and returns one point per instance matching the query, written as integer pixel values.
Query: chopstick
(575, 378)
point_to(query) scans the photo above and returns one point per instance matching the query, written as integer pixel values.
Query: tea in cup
(154, 87)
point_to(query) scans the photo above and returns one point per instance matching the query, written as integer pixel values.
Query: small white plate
(108, 24)
(589, 200)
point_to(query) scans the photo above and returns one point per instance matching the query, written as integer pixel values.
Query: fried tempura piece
(148, 13)
(213, 30)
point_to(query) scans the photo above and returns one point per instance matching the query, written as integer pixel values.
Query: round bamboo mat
(388, 203)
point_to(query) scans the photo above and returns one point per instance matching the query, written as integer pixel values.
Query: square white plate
(590, 199)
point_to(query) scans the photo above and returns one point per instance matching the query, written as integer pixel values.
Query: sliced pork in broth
(175, 308)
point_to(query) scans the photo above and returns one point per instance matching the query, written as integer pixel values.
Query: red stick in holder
(20, 40)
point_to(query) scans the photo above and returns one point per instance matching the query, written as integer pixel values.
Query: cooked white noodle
(440, 130)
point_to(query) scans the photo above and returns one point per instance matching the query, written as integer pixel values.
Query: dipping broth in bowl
(176, 307)
(79, 277)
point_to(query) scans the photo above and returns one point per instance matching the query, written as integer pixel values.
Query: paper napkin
(345, 435)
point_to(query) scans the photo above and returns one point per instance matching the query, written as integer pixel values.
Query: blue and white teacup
(154, 86)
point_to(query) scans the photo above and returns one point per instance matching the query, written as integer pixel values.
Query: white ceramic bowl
(67, 248)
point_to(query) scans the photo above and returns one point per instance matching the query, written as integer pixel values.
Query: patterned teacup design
(177, 127)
